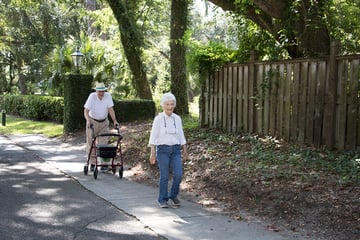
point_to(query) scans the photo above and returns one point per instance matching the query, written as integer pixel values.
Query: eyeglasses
(170, 130)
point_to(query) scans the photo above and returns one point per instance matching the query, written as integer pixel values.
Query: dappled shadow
(39, 202)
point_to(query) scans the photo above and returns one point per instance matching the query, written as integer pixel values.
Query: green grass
(16, 125)
(191, 121)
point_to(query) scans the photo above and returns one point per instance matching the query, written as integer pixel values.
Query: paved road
(39, 202)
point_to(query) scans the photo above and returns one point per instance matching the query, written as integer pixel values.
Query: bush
(133, 110)
(34, 107)
(45, 108)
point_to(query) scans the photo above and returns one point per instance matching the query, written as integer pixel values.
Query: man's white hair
(166, 97)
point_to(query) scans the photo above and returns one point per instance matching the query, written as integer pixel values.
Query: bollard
(3, 119)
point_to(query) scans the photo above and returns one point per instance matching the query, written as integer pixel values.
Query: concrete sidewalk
(190, 221)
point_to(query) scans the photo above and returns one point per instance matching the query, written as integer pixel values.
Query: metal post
(3, 119)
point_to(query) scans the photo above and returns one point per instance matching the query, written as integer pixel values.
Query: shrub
(46, 108)
(34, 107)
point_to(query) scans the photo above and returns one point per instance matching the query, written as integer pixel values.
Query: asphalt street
(38, 201)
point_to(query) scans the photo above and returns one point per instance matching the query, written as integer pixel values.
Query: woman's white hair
(166, 97)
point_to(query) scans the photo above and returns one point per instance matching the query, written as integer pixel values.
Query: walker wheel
(96, 173)
(86, 170)
(113, 170)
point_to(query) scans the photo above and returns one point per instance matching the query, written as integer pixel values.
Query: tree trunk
(91, 6)
(179, 13)
(308, 35)
(132, 45)
(21, 78)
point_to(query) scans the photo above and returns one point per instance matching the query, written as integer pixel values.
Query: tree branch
(273, 8)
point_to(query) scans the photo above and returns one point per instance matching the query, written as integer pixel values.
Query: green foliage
(134, 110)
(30, 32)
(344, 23)
(190, 122)
(206, 58)
(253, 38)
(34, 107)
(42, 36)
(77, 89)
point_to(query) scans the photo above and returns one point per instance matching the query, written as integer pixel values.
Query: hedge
(43, 108)
(46, 108)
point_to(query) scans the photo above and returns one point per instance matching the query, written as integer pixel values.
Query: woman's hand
(152, 159)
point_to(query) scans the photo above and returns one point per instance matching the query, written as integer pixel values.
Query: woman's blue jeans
(169, 159)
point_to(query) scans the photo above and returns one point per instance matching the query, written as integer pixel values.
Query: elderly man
(96, 110)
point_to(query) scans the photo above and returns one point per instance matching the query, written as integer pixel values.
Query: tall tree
(30, 32)
(132, 42)
(179, 13)
(299, 25)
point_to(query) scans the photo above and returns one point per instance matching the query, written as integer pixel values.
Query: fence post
(252, 91)
(330, 97)
(3, 117)
(204, 98)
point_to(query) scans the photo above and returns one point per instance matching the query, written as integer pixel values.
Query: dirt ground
(311, 204)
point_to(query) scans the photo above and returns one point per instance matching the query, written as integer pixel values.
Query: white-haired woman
(166, 141)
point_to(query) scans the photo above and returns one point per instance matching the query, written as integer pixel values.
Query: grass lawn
(16, 125)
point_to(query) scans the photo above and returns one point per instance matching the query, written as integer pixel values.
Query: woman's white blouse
(167, 130)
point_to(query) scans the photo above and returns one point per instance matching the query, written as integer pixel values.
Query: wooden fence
(308, 101)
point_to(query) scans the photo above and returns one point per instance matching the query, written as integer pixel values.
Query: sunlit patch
(41, 213)
(47, 191)
(59, 179)
(357, 162)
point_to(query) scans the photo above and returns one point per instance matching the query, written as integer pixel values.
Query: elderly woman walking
(166, 141)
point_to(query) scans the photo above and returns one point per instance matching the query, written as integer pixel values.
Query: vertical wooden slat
(266, 92)
(224, 98)
(259, 99)
(204, 120)
(319, 103)
(356, 75)
(234, 99)
(216, 99)
(251, 86)
(352, 104)
(229, 99)
(295, 102)
(312, 81)
(287, 101)
(273, 76)
(303, 101)
(246, 99)
(281, 102)
(240, 98)
(330, 97)
(211, 99)
(340, 113)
